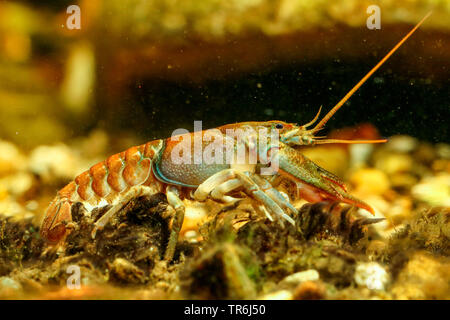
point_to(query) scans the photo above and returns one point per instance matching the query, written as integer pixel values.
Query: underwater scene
(213, 149)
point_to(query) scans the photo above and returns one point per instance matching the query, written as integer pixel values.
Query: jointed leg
(219, 192)
(177, 222)
(227, 180)
(204, 190)
(127, 197)
(273, 193)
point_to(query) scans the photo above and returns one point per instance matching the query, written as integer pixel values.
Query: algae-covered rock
(428, 230)
(230, 251)
(222, 272)
(423, 277)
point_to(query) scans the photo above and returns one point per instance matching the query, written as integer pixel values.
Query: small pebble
(433, 190)
(195, 213)
(32, 205)
(8, 283)
(443, 150)
(18, 183)
(403, 180)
(441, 165)
(310, 290)
(191, 236)
(394, 163)
(399, 210)
(278, 295)
(9, 287)
(11, 159)
(370, 181)
(371, 275)
(123, 270)
(360, 154)
(425, 153)
(55, 162)
(401, 143)
(299, 277)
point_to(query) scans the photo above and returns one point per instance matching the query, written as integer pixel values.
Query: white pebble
(360, 154)
(299, 277)
(371, 275)
(7, 282)
(278, 295)
(402, 143)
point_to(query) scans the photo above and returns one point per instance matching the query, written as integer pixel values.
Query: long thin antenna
(349, 141)
(313, 120)
(367, 76)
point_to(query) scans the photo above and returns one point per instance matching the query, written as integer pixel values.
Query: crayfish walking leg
(174, 200)
(227, 180)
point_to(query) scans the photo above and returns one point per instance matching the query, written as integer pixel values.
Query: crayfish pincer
(244, 156)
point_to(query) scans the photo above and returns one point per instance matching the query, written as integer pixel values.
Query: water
(395, 104)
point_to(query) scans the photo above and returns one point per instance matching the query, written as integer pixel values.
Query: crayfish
(174, 166)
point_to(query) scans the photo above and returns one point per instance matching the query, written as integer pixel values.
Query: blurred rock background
(149, 67)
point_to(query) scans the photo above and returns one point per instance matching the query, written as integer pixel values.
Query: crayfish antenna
(349, 141)
(367, 76)
(313, 120)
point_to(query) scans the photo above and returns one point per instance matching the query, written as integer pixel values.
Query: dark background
(395, 99)
(394, 104)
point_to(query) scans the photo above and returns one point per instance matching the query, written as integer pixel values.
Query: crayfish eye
(306, 140)
(279, 126)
